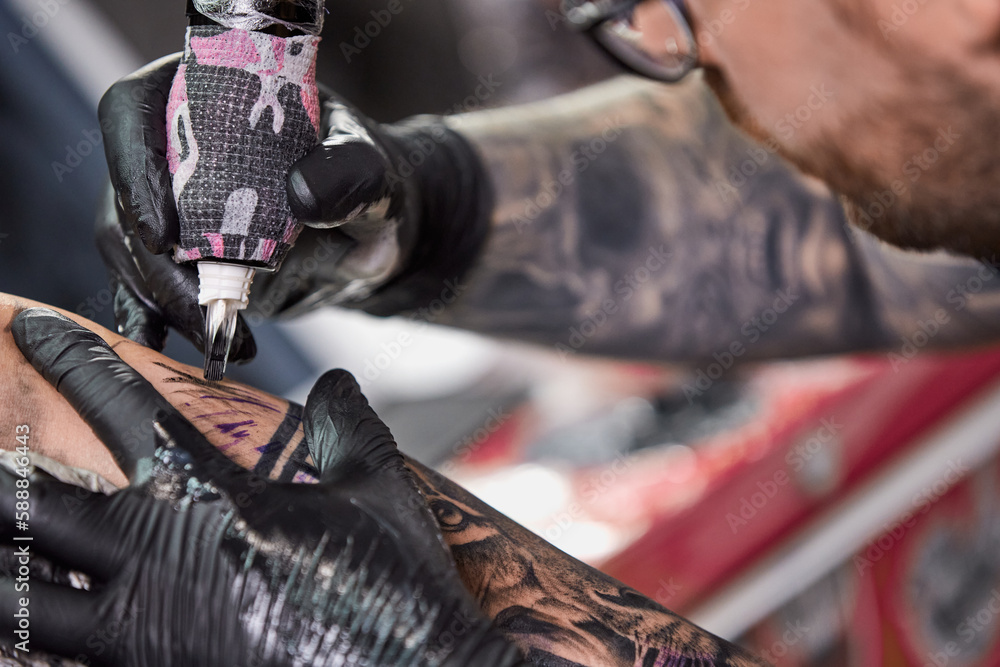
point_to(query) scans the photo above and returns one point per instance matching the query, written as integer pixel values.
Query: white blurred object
(393, 359)
(542, 499)
(590, 541)
(529, 494)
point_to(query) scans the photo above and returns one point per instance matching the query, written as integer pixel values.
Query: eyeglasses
(650, 37)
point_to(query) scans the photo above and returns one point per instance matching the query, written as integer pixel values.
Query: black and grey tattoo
(561, 612)
(633, 220)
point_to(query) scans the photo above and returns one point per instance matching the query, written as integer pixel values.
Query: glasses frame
(590, 16)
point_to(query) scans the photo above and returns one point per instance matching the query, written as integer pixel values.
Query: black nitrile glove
(200, 562)
(394, 214)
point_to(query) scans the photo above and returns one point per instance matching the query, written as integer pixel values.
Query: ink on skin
(228, 428)
(219, 391)
(275, 447)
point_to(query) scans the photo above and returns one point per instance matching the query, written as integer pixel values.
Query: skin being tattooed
(632, 220)
(558, 610)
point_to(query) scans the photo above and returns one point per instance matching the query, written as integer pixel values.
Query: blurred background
(831, 512)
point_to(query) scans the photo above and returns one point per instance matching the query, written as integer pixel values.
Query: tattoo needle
(224, 291)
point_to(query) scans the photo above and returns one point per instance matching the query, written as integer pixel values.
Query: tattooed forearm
(633, 220)
(560, 611)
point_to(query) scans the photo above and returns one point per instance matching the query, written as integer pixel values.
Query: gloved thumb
(343, 433)
(336, 182)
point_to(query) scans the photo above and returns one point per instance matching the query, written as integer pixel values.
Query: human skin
(61, 434)
(558, 610)
(899, 78)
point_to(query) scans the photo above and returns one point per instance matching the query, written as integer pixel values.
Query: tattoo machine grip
(243, 108)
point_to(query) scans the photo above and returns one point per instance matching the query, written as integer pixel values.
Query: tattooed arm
(628, 219)
(560, 611)
(632, 220)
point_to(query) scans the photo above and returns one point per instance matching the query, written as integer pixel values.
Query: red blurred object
(848, 516)
(922, 589)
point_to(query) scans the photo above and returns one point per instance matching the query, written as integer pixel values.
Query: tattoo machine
(243, 108)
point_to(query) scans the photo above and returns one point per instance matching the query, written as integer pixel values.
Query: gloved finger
(376, 251)
(116, 250)
(133, 115)
(353, 449)
(66, 523)
(154, 291)
(117, 402)
(57, 619)
(135, 320)
(307, 276)
(337, 181)
(342, 431)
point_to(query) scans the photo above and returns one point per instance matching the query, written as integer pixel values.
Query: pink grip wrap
(243, 108)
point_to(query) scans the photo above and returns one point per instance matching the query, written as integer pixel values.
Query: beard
(938, 182)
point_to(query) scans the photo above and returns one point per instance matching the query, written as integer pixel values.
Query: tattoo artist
(525, 222)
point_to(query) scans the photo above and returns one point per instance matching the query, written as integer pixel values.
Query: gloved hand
(392, 213)
(200, 562)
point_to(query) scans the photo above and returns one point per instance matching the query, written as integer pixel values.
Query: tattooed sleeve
(559, 611)
(633, 220)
